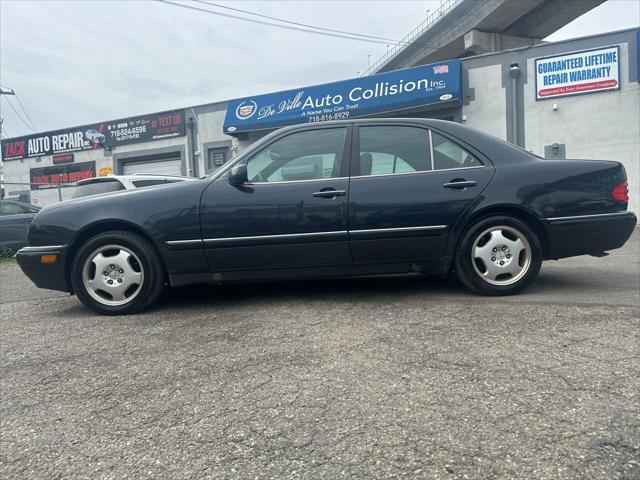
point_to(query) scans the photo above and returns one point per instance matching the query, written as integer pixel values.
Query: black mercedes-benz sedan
(337, 199)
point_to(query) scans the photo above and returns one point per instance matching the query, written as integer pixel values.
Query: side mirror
(238, 175)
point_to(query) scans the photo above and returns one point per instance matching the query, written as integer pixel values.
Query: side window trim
(346, 155)
(280, 182)
(433, 165)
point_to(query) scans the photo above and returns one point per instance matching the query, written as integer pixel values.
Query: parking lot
(363, 378)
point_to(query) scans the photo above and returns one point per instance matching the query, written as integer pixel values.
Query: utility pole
(5, 91)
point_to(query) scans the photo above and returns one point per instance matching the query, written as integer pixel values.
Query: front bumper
(585, 234)
(51, 276)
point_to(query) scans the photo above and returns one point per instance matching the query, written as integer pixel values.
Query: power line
(317, 31)
(18, 114)
(260, 22)
(25, 112)
(296, 23)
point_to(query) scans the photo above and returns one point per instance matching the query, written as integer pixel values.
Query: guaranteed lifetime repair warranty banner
(357, 97)
(579, 72)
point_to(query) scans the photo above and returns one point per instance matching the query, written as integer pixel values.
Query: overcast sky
(77, 62)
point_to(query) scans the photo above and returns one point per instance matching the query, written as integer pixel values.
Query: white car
(113, 183)
(94, 137)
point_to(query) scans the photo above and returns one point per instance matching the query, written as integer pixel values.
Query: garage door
(165, 166)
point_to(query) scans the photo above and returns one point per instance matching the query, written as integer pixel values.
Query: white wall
(210, 129)
(487, 112)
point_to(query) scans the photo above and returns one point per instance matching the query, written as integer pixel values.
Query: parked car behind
(114, 183)
(15, 218)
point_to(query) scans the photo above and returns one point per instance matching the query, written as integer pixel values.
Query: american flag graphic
(441, 69)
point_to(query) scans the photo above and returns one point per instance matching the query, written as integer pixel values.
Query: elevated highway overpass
(461, 28)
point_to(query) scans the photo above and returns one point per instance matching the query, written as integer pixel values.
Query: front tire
(498, 255)
(117, 273)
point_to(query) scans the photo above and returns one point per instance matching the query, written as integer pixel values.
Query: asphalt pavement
(385, 377)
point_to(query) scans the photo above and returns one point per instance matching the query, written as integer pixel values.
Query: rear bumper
(51, 276)
(585, 234)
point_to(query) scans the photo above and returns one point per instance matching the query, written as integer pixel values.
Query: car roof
(153, 175)
(371, 121)
(120, 178)
(16, 202)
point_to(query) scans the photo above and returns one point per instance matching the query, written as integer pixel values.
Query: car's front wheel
(117, 273)
(498, 255)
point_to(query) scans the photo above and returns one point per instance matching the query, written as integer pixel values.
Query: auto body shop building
(577, 98)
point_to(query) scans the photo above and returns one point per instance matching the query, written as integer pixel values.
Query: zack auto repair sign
(48, 177)
(110, 134)
(579, 72)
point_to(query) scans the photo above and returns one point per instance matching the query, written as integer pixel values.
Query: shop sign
(385, 92)
(50, 177)
(578, 72)
(66, 158)
(104, 171)
(106, 134)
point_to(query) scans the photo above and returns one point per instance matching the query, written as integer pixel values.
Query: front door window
(311, 155)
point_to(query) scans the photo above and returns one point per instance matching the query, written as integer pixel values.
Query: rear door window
(387, 150)
(94, 188)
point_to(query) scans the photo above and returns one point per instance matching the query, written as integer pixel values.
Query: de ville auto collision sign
(579, 72)
(357, 97)
(111, 134)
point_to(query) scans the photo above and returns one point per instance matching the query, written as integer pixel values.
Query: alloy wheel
(501, 255)
(113, 275)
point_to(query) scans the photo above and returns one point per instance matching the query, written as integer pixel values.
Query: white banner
(578, 72)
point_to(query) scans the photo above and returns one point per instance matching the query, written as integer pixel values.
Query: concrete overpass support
(478, 42)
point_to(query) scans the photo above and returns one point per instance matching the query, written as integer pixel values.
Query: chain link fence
(20, 203)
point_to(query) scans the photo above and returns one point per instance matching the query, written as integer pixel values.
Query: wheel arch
(97, 228)
(508, 210)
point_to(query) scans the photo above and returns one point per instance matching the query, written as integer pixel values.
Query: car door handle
(330, 193)
(459, 184)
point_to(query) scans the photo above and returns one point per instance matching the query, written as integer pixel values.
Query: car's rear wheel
(117, 273)
(498, 255)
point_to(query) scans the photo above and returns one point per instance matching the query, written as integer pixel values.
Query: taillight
(621, 192)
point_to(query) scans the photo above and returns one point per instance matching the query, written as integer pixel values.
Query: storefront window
(216, 157)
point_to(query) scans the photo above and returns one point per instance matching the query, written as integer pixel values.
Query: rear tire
(498, 255)
(117, 273)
